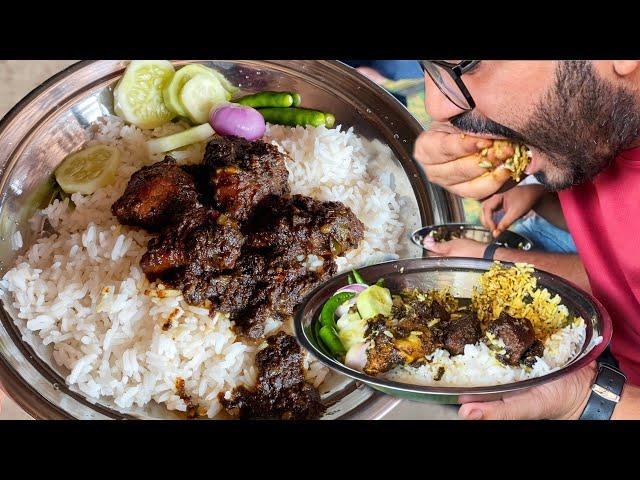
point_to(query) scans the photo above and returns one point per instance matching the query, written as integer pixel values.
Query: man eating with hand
(581, 121)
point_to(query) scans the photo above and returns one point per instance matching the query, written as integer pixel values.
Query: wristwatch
(490, 251)
(605, 393)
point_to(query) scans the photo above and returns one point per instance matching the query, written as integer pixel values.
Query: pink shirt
(604, 219)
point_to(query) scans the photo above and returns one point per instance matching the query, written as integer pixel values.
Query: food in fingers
(514, 156)
(435, 147)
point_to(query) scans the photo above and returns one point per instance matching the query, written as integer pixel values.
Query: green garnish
(330, 338)
(329, 309)
(358, 278)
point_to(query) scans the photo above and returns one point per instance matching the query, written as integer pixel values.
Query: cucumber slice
(226, 84)
(373, 301)
(180, 139)
(200, 94)
(171, 93)
(351, 328)
(88, 170)
(138, 95)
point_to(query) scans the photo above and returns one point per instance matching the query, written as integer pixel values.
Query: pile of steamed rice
(514, 291)
(81, 292)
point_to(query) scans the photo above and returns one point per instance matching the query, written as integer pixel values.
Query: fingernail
(428, 242)
(484, 143)
(474, 415)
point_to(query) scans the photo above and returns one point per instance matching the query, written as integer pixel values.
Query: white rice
(478, 366)
(81, 292)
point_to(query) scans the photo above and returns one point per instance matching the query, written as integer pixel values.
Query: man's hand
(562, 399)
(451, 159)
(515, 203)
(458, 247)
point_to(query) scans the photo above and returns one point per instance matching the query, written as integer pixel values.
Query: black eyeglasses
(447, 77)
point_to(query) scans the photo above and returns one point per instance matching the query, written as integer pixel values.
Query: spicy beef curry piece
(281, 391)
(231, 234)
(418, 325)
(155, 194)
(243, 173)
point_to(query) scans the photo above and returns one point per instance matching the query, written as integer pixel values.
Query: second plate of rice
(572, 327)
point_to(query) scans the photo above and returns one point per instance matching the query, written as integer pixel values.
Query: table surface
(18, 77)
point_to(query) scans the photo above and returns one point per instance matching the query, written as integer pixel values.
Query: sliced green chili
(327, 315)
(358, 277)
(330, 338)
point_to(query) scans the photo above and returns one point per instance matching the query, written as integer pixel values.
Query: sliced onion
(356, 357)
(238, 121)
(344, 308)
(354, 287)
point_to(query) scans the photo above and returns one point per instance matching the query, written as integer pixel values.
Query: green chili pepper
(330, 338)
(269, 99)
(329, 309)
(316, 330)
(350, 279)
(380, 282)
(296, 99)
(358, 277)
(294, 116)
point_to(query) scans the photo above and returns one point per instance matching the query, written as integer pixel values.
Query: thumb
(522, 407)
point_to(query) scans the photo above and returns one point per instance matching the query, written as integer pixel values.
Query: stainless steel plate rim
(454, 262)
(416, 235)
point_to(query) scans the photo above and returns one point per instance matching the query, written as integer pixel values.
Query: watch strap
(490, 251)
(605, 393)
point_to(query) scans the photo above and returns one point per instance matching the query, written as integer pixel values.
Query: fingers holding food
(456, 171)
(483, 186)
(513, 156)
(436, 147)
(467, 165)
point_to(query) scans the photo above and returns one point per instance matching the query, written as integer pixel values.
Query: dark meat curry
(232, 237)
(422, 322)
(281, 390)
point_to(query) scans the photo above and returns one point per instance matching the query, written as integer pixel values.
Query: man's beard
(581, 124)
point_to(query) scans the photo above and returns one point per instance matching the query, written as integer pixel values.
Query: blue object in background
(545, 236)
(392, 69)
